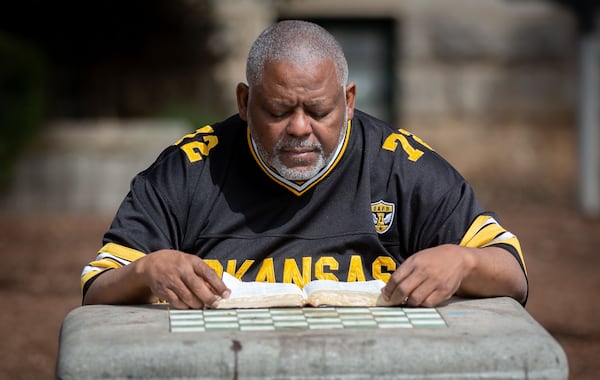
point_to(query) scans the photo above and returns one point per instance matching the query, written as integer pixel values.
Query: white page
(373, 286)
(241, 289)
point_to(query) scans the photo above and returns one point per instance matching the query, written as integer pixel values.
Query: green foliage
(22, 77)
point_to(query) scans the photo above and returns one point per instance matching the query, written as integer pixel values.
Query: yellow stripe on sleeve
(108, 258)
(485, 235)
(89, 275)
(485, 231)
(472, 231)
(122, 252)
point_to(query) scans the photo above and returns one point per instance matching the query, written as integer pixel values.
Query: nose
(299, 124)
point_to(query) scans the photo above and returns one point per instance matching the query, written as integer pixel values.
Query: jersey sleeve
(148, 219)
(486, 231)
(459, 219)
(443, 207)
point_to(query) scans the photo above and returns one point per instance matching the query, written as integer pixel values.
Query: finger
(198, 281)
(421, 293)
(191, 298)
(174, 300)
(434, 299)
(406, 290)
(399, 275)
(202, 291)
(186, 295)
(403, 293)
(212, 279)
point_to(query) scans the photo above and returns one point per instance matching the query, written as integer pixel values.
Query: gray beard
(294, 174)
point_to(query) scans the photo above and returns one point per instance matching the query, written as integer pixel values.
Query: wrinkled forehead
(317, 76)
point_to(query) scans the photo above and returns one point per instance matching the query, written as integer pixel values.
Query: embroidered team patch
(383, 215)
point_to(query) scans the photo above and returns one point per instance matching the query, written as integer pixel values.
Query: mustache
(297, 143)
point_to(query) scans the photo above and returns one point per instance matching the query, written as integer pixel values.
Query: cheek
(331, 143)
(266, 135)
(328, 136)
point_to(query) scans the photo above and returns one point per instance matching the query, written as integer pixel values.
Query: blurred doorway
(369, 45)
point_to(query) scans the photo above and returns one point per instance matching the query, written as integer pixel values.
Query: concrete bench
(488, 338)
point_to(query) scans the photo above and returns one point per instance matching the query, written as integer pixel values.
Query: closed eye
(277, 114)
(319, 115)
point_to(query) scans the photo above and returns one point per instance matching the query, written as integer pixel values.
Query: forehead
(316, 75)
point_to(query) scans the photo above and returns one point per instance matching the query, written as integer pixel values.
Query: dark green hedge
(22, 82)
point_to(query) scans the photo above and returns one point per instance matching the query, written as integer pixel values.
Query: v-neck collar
(300, 187)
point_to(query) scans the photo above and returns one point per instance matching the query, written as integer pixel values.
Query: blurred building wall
(489, 83)
(85, 166)
(495, 60)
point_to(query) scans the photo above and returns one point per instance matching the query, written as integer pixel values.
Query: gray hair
(296, 41)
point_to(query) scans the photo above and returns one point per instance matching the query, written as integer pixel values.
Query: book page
(333, 293)
(373, 286)
(260, 294)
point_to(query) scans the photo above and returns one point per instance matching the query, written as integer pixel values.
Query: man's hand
(181, 279)
(428, 277)
(433, 275)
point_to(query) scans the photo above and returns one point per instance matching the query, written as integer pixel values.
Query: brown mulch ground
(42, 257)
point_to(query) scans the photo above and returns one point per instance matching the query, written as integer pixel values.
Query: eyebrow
(275, 104)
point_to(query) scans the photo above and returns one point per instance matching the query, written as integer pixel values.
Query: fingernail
(215, 303)
(385, 296)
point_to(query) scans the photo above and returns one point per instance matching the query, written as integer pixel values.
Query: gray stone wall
(490, 60)
(489, 83)
(86, 166)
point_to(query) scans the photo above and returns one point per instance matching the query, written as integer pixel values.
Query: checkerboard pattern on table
(303, 319)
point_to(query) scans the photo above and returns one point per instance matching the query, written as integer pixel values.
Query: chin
(296, 174)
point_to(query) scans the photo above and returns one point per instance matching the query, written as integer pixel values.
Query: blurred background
(91, 92)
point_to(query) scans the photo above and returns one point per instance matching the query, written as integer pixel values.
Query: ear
(241, 92)
(350, 99)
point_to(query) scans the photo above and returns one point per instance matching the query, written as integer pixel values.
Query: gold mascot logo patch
(383, 215)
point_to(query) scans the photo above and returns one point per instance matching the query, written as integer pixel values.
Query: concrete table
(488, 338)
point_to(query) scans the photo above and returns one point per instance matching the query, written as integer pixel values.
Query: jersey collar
(300, 187)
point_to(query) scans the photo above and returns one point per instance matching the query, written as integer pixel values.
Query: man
(300, 186)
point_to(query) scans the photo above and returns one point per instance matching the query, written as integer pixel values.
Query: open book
(315, 293)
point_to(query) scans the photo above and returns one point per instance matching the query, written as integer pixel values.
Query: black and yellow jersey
(385, 195)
